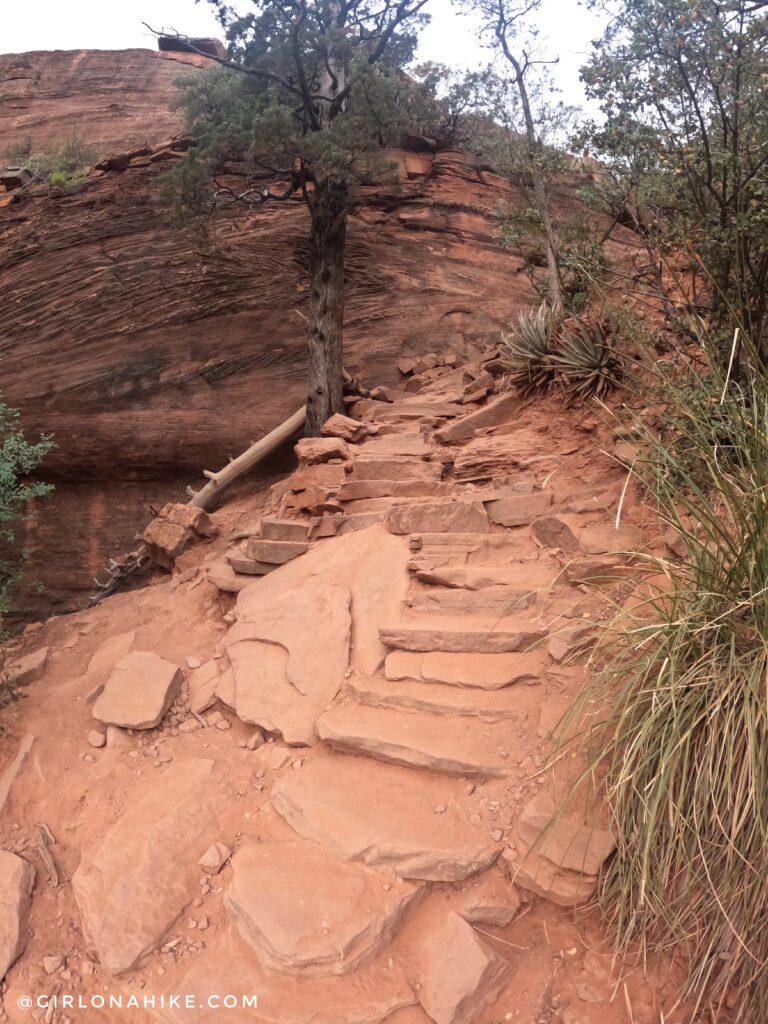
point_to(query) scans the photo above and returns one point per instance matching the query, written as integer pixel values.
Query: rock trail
(366, 730)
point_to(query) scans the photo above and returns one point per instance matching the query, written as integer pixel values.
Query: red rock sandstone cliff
(148, 359)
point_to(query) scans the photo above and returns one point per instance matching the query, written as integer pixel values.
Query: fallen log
(218, 482)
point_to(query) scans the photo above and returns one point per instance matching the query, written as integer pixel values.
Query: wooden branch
(218, 482)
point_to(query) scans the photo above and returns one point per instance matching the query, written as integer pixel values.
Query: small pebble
(96, 738)
(440, 809)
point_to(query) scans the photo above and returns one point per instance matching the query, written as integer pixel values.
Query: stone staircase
(428, 551)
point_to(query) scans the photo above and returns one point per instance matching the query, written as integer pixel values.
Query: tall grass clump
(681, 689)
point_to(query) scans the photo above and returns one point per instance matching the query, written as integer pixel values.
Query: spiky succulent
(527, 351)
(586, 365)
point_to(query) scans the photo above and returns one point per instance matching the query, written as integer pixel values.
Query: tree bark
(328, 209)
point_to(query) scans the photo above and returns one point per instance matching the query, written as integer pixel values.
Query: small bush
(527, 351)
(585, 363)
(18, 459)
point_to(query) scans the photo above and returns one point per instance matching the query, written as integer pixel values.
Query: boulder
(304, 911)
(171, 532)
(311, 450)
(133, 885)
(16, 879)
(29, 668)
(139, 692)
(461, 975)
(345, 428)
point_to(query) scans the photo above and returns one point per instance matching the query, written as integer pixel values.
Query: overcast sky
(566, 29)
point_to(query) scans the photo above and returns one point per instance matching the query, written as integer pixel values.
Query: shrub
(527, 351)
(682, 681)
(585, 362)
(18, 459)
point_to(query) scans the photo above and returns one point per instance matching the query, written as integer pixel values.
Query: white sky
(566, 29)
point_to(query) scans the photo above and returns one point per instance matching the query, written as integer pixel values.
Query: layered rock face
(152, 353)
(110, 99)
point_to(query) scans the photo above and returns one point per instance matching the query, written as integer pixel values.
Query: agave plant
(585, 363)
(528, 351)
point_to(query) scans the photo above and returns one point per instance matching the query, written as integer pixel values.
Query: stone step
(477, 548)
(522, 575)
(520, 704)
(511, 509)
(250, 566)
(385, 816)
(492, 601)
(373, 467)
(284, 529)
(360, 490)
(371, 995)
(482, 671)
(448, 745)
(304, 911)
(439, 517)
(385, 504)
(501, 410)
(275, 552)
(396, 445)
(472, 635)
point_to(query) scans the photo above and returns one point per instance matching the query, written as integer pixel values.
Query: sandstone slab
(553, 832)
(487, 458)
(202, 687)
(344, 427)
(139, 692)
(396, 446)
(518, 509)
(540, 876)
(391, 468)
(29, 668)
(533, 575)
(289, 657)
(413, 635)
(445, 517)
(440, 699)
(16, 879)
(371, 995)
(311, 450)
(490, 900)
(371, 563)
(304, 911)
(361, 490)
(131, 887)
(461, 974)
(554, 532)
(383, 815)
(605, 538)
(491, 415)
(283, 529)
(486, 671)
(276, 552)
(447, 745)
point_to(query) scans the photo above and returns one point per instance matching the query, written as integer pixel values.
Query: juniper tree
(310, 91)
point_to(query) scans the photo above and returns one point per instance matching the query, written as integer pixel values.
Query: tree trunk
(328, 209)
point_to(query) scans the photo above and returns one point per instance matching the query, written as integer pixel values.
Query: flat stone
(220, 573)
(251, 567)
(596, 569)
(373, 468)
(442, 699)
(383, 815)
(447, 517)
(310, 450)
(103, 661)
(371, 563)
(486, 671)
(16, 879)
(344, 427)
(540, 876)
(214, 858)
(361, 490)
(488, 458)
(360, 521)
(568, 843)
(202, 687)
(276, 552)
(486, 638)
(304, 911)
(396, 445)
(371, 995)
(29, 668)
(281, 681)
(285, 529)
(403, 665)
(139, 692)
(461, 974)
(324, 476)
(531, 576)
(490, 900)
(132, 886)
(519, 509)
(498, 601)
(501, 410)
(449, 745)
(553, 532)
(604, 538)
(12, 772)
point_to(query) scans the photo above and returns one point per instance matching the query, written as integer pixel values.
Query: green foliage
(62, 168)
(543, 350)
(682, 88)
(585, 363)
(681, 700)
(527, 351)
(18, 459)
